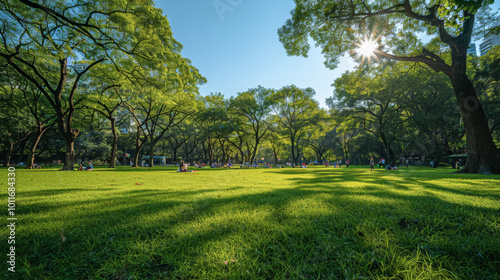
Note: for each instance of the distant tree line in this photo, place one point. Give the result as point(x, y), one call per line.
point(105, 81)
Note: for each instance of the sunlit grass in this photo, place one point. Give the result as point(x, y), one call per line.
point(315, 223)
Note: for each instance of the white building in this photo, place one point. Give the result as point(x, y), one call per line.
point(488, 43)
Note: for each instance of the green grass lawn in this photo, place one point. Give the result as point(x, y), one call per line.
point(314, 223)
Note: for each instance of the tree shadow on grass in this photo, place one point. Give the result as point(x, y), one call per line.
point(319, 226)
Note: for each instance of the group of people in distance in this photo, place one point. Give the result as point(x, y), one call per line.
point(337, 163)
point(87, 167)
point(183, 166)
point(381, 163)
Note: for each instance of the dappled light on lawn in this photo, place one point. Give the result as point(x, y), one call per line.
point(261, 223)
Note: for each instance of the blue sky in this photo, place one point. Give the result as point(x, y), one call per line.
point(235, 45)
point(238, 48)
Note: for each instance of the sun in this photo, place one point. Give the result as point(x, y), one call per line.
point(367, 47)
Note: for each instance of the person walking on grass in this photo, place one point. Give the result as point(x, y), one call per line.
point(347, 163)
point(372, 163)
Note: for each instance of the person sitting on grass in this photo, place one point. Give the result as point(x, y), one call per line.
point(80, 167)
point(89, 167)
point(184, 167)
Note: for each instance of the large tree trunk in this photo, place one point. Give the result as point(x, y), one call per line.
point(482, 154)
point(114, 147)
point(69, 161)
point(69, 138)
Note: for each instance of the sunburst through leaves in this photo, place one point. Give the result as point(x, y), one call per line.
point(367, 48)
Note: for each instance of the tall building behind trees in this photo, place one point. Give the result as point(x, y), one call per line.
point(488, 43)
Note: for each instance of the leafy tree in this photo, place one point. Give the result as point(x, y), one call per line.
point(14, 129)
point(182, 137)
point(254, 106)
point(275, 141)
point(214, 123)
point(89, 31)
point(16, 122)
point(433, 118)
point(343, 133)
point(107, 90)
point(321, 143)
point(94, 141)
point(372, 99)
point(43, 118)
point(19, 94)
point(391, 26)
point(296, 110)
point(140, 134)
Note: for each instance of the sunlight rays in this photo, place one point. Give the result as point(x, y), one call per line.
point(366, 48)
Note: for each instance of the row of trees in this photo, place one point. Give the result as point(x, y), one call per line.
point(132, 91)
point(122, 48)
point(370, 114)
point(339, 27)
